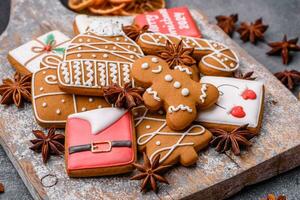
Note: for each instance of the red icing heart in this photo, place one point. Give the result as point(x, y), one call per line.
point(249, 94)
point(238, 111)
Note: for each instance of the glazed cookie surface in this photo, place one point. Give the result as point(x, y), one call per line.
point(26, 58)
point(92, 62)
point(214, 58)
point(155, 137)
point(240, 102)
point(172, 90)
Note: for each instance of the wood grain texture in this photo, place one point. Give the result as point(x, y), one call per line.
point(215, 176)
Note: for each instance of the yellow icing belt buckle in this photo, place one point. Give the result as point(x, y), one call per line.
point(97, 147)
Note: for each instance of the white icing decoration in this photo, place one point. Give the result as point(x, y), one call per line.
point(99, 106)
point(77, 71)
point(157, 70)
point(83, 109)
point(80, 40)
point(153, 93)
point(100, 119)
point(44, 104)
point(177, 84)
point(168, 78)
point(199, 44)
point(230, 89)
point(114, 72)
point(126, 73)
point(203, 93)
point(183, 69)
point(182, 107)
point(185, 92)
point(41, 89)
point(90, 73)
point(105, 55)
point(79, 55)
point(65, 72)
point(51, 79)
point(101, 69)
point(58, 111)
point(154, 60)
point(63, 101)
point(94, 56)
point(145, 66)
point(148, 126)
point(145, 138)
point(91, 100)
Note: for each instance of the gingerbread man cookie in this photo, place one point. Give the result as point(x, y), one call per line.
point(155, 137)
point(215, 58)
point(173, 90)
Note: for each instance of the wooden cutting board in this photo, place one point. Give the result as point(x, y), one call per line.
point(215, 176)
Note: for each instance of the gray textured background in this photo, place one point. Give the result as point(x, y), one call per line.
point(283, 16)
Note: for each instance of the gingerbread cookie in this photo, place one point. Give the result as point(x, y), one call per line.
point(26, 58)
point(92, 62)
point(174, 90)
point(100, 142)
point(51, 105)
point(240, 102)
point(215, 58)
point(155, 137)
point(102, 25)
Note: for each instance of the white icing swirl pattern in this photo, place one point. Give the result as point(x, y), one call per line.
point(183, 69)
point(182, 107)
point(203, 93)
point(153, 93)
point(90, 73)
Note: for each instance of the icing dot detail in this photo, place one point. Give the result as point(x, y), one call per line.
point(118, 39)
point(106, 47)
point(114, 48)
point(99, 106)
point(58, 111)
point(177, 84)
point(41, 89)
point(83, 109)
point(168, 78)
point(157, 143)
point(131, 56)
point(185, 92)
point(79, 48)
point(91, 99)
point(44, 105)
point(94, 56)
point(154, 60)
point(63, 101)
point(145, 66)
point(44, 72)
point(88, 40)
point(148, 126)
point(105, 55)
point(80, 40)
point(79, 55)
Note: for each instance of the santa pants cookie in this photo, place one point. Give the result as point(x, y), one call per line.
point(100, 142)
point(26, 58)
point(240, 102)
point(215, 58)
point(155, 137)
point(92, 62)
point(51, 105)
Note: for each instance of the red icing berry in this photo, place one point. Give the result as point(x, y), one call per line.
point(238, 111)
point(47, 48)
point(249, 94)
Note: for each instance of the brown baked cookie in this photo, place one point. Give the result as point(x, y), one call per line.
point(92, 62)
point(173, 90)
point(155, 137)
point(215, 58)
point(51, 105)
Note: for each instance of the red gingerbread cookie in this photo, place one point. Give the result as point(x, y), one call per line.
point(173, 90)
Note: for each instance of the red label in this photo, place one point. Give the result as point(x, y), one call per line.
point(176, 21)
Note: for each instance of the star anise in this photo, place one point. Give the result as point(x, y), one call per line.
point(134, 31)
point(50, 144)
point(289, 78)
point(16, 90)
point(1, 188)
point(227, 23)
point(150, 173)
point(283, 48)
point(253, 31)
point(247, 76)
point(273, 197)
point(224, 140)
point(177, 54)
point(123, 97)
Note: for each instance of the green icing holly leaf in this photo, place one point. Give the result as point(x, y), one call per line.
point(49, 39)
point(59, 50)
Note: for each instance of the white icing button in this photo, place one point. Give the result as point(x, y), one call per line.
point(145, 66)
point(44, 105)
point(160, 112)
point(58, 111)
point(91, 99)
point(105, 55)
point(148, 127)
point(185, 92)
point(41, 88)
point(78, 55)
point(157, 143)
point(118, 39)
point(168, 78)
point(63, 101)
point(94, 56)
point(177, 84)
point(225, 59)
point(154, 59)
point(83, 109)
point(99, 106)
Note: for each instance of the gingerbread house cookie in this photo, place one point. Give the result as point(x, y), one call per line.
point(92, 62)
point(26, 58)
point(155, 137)
point(100, 142)
point(240, 102)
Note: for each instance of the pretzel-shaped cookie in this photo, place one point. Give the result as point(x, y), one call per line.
point(173, 90)
point(215, 58)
